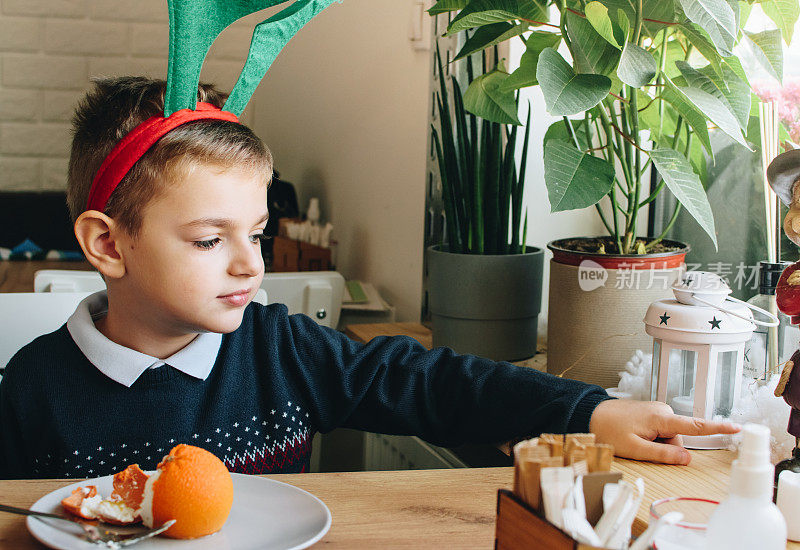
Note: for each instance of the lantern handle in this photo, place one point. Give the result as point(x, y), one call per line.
point(774, 318)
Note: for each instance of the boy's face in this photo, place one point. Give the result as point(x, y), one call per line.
point(196, 262)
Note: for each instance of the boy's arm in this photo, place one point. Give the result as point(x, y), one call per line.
point(394, 385)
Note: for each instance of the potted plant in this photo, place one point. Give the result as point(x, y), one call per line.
point(484, 283)
point(646, 81)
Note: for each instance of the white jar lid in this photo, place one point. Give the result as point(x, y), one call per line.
point(672, 315)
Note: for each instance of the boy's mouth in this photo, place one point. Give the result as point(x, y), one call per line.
point(237, 298)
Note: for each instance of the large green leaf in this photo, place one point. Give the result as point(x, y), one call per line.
point(591, 52)
point(597, 15)
point(490, 35)
point(574, 179)
point(701, 41)
point(716, 112)
point(784, 13)
point(565, 92)
point(485, 98)
point(624, 25)
point(485, 12)
point(675, 52)
point(734, 4)
point(731, 90)
point(560, 132)
point(636, 66)
point(769, 51)
point(691, 114)
point(744, 13)
point(696, 158)
point(739, 93)
point(735, 65)
point(444, 6)
point(686, 186)
point(717, 18)
point(525, 75)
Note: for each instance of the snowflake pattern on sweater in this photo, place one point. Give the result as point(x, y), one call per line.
point(255, 445)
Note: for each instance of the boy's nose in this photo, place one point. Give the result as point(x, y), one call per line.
point(247, 261)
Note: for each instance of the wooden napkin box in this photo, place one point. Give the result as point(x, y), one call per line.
point(520, 527)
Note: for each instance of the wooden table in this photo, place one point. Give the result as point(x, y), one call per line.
point(17, 275)
point(419, 508)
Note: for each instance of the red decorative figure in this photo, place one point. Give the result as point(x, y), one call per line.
point(783, 175)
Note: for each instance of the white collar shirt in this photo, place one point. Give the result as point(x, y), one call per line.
point(126, 365)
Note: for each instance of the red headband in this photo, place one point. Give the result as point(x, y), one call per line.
point(131, 148)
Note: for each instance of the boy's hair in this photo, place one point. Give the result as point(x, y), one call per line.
point(115, 107)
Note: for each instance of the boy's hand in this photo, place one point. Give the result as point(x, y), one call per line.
point(649, 430)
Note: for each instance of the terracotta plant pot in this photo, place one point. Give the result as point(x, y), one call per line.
point(486, 305)
point(596, 306)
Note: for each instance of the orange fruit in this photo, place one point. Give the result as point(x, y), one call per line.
point(191, 486)
point(121, 508)
point(128, 489)
point(73, 502)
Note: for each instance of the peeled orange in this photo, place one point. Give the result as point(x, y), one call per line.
point(74, 503)
point(191, 486)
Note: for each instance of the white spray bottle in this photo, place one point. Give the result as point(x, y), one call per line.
point(748, 519)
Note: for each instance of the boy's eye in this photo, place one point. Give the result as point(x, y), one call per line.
point(259, 237)
point(207, 245)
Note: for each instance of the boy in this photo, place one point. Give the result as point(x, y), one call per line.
point(175, 352)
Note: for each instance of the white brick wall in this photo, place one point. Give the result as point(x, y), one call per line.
point(49, 49)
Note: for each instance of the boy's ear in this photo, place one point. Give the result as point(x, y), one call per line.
point(99, 236)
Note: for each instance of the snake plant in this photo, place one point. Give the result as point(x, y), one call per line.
point(481, 186)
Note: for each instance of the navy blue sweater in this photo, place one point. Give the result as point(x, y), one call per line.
point(277, 380)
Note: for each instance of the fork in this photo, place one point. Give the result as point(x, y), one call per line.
point(93, 533)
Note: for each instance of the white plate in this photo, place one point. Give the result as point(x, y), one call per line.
point(266, 514)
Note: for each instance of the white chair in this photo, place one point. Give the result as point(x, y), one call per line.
point(318, 294)
point(27, 315)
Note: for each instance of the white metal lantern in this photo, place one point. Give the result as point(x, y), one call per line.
point(698, 350)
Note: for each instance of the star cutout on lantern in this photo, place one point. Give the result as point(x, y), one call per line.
point(664, 318)
point(715, 323)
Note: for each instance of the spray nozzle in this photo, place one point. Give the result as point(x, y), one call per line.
point(755, 445)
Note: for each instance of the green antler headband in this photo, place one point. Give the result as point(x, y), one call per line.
point(193, 27)
point(195, 24)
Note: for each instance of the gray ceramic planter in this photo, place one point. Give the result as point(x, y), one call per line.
point(486, 305)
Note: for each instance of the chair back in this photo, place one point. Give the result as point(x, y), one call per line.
point(25, 316)
point(318, 294)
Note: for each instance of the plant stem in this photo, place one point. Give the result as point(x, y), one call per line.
point(603, 217)
point(562, 7)
point(587, 130)
point(571, 132)
point(651, 244)
point(630, 229)
point(613, 141)
point(616, 151)
point(653, 195)
point(659, 79)
point(634, 114)
point(614, 207)
point(637, 30)
point(677, 131)
point(542, 23)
